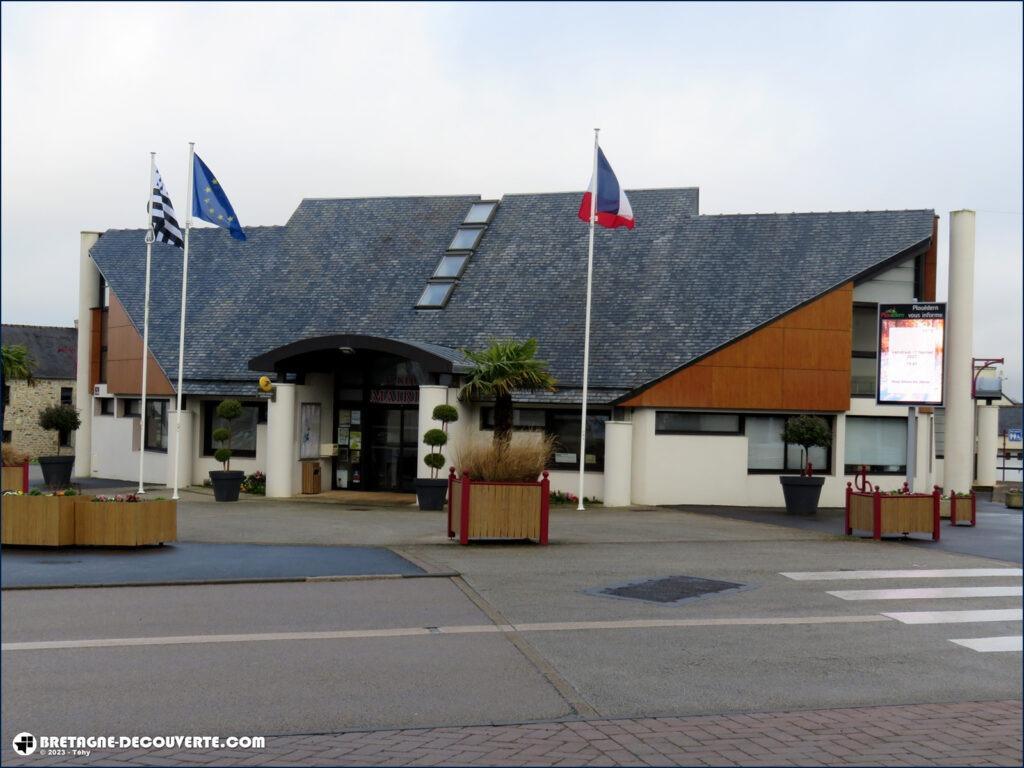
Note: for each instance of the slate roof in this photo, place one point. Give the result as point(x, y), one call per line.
point(54, 349)
point(672, 290)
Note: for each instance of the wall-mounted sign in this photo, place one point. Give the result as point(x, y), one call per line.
point(395, 396)
point(1013, 435)
point(911, 346)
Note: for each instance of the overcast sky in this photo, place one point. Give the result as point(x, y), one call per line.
point(764, 107)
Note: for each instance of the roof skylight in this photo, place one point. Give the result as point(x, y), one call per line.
point(435, 295)
point(466, 239)
point(481, 212)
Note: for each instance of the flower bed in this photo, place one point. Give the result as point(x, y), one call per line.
point(38, 520)
point(497, 510)
point(125, 521)
point(898, 512)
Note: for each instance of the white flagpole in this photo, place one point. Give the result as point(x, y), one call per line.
point(181, 332)
point(145, 316)
point(586, 327)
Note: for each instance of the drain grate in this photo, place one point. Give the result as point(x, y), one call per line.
point(671, 589)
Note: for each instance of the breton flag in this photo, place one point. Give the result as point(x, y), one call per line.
point(613, 208)
point(210, 202)
point(162, 219)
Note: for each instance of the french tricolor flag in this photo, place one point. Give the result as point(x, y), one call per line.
point(613, 208)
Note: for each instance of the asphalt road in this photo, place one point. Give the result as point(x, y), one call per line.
point(523, 638)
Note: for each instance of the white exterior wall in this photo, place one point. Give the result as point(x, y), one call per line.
point(988, 444)
point(113, 456)
point(88, 293)
point(319, 388)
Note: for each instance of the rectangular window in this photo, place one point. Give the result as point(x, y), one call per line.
point(451, 266)
point(522, 418)
point(877, 442)
point(864, 365)
point(65, 395)
point(767, 453)
point(243, 429)
point(131, 407)
point(466, 239)
point(7, 435)
point(106, 406)
point(480, 213)
point(435, 295)
point(156, 425)
point(564, 426)
point(678, 423)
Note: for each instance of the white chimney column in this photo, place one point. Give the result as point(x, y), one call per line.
point(88, 297)
point(958, 471)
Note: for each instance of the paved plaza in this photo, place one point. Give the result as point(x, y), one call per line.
point(829, 651)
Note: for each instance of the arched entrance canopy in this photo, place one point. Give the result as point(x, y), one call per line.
point(432, 357)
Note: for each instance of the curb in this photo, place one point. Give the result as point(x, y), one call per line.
point(269, 580)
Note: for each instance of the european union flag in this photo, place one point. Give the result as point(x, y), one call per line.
point(210, 203)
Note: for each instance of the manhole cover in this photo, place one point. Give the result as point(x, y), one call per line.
point(671, 589)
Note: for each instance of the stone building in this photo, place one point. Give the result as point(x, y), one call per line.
point(54, 351)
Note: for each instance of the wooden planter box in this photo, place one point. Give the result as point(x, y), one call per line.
point(485, 510)
point(39, 521)
point(959, 510)
point(898, 514)
point(125, 524)
point(15, 478)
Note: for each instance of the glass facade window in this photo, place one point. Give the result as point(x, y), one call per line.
point(435, 295)
point(678, 423)
point(877, 442)
point(243, 429)
point(156, 425)
point(480, 213)
point(863, 371)
point(522, 418)
point(466, 239)
point(131, 407)
point(107, 406)
point(767, 452)
point(865, 329)
point(451, 266)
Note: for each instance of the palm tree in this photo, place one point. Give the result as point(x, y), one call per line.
point(17, 364)
point(500, 370)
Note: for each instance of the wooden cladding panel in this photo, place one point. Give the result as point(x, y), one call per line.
point(930, 266)
point(95, 346)
point(124, 352)
point(799, 362)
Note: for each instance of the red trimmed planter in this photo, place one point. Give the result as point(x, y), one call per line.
point(479, 509)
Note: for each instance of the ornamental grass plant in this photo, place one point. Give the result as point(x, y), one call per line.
point(520, 461)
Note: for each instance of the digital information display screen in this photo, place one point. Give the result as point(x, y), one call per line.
point(911, 346)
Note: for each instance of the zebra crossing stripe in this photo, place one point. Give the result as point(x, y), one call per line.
point(917, 573)
point(993, 644)
point(926, 593)
point(957, 617)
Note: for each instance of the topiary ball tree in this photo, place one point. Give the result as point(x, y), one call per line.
point(228, 410)
point(59, 419)
point(436, 438)
point(807, 432)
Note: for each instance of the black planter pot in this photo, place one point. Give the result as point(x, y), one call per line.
point(802, 493)
point(226, 485)
point(431, 494)
point(57, 471)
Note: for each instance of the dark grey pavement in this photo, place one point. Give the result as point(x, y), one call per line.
point(997, 535)
point(192, 562)
point(91, 484)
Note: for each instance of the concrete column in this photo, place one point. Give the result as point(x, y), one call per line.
point(642, 437)
point(959, 463)
point(922, 474)
point(281, 443)
point(431, 395)
point(88, 295)
point(618, 463)
point(187, 446)
point(988, 444)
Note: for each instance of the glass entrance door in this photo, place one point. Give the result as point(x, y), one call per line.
point(392, 439)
